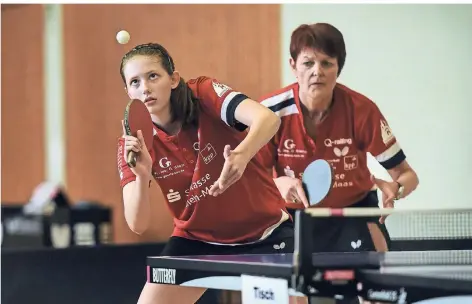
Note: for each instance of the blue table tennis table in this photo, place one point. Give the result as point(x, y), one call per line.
point(392, 277)
point(395, 277)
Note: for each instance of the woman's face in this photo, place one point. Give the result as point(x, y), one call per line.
point(147, 80)
point(316, 73)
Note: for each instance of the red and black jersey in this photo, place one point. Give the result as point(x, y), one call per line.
point(353, 127)
point(187, 164)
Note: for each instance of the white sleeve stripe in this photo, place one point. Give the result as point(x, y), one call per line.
point(287, 111)
point(274, 100)
point(224, 106)
point(389, 153)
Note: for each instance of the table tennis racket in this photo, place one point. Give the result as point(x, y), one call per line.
point(317, 181)
point(137, 117)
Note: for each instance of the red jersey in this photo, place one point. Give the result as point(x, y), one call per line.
point(187, 164)
point(353, 127)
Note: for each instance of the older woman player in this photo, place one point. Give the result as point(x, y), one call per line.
point(323, 119)
point(204, 166)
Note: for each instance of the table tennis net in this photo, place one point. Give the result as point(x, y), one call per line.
point(442, 264)
point(431, 225)
point(453, 276)
point(428, 258)
point(442, 274)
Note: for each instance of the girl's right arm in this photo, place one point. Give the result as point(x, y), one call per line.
point(136, 182)
point(137, 208)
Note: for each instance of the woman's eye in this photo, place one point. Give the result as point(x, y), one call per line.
point(326, 63)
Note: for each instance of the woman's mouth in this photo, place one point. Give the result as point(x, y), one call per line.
point(150, 100)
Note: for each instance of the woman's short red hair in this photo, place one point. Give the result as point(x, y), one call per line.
point(319, 36)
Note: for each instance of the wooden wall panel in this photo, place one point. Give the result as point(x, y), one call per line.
point(23, 149)
point(238, 44)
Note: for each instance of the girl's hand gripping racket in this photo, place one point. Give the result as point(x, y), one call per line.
point(317, 181)
point(137, 117)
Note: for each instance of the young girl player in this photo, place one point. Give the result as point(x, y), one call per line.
point(222, 199)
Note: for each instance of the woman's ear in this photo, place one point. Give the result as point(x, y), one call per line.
point(127, 93)
point(175, 79)
point(293, 65)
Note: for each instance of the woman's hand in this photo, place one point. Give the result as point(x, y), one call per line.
point(143, 166)
point(233, 169)
point(389, 192)
point(291, 190)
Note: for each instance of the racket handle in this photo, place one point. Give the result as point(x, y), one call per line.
point(131, 160)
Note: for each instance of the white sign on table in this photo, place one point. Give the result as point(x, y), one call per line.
point(262, 290)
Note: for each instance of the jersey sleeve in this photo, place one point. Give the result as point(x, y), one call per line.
point(218, 99)
point(126, 175)
point(378, 139)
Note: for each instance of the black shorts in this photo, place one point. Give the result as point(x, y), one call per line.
point(280, 241)
point(348, 234)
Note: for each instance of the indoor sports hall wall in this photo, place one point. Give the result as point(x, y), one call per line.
point(85, 86)
point(217, 44)
point(414, 62)
point(22, 95)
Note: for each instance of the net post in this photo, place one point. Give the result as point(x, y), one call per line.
point(303, 251)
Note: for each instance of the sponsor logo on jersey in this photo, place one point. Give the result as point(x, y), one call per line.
point(220, 89)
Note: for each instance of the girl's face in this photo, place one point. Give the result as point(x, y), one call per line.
point(147, 80)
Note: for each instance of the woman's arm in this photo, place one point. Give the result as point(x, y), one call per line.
point(405, 176)
point(136, 190)
point(263, 125)
point(136, 204)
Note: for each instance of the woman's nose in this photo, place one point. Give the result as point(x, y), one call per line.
point(317, 69)
point(145, 88)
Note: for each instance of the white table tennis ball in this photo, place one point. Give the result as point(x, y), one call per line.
point(122, 37)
